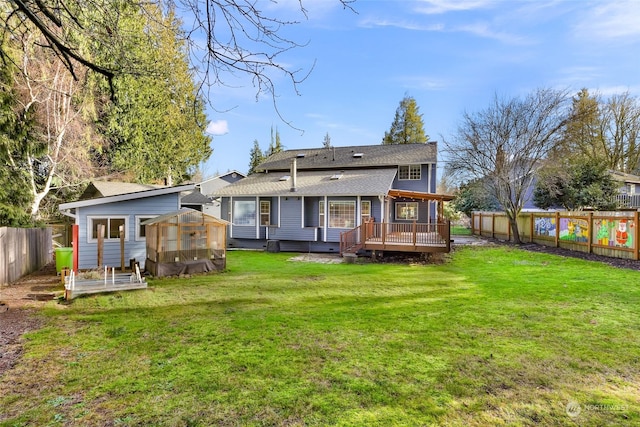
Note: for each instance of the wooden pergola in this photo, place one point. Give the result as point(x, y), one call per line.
point(423, 197)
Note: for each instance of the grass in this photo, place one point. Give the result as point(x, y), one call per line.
point(458, 230)
point(495, 336)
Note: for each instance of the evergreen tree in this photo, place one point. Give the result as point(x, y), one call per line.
point(407, 126)
point(16, 141)
point(584, 184)
point(581, 137)
point(326, 142)
point(256, 157)
point(156, 125)
point(275, 146)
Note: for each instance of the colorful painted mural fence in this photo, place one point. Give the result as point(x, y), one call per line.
point(613, 234)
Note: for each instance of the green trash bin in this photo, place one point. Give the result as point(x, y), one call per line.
point(64, 259)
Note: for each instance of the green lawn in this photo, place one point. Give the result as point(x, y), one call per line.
point(495, 336)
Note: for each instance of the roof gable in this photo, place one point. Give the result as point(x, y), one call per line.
point(113, 188)
point(125, 197)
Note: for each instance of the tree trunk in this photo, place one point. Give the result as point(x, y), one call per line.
point(515, 232)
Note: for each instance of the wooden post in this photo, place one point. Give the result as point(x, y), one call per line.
point(121, 234)
point(413, 233)
point(75, 243)
point(480, 224)
point(493, 225)
point(531, 229)
point(636, 219)
point(100, 231)
point(557, 229)
point(509, 228)
point(589, 232)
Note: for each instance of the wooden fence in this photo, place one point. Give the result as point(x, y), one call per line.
point(612, 234)
point(22, 251)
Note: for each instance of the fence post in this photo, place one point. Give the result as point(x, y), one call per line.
point(493, 225)
point(557, 229)
point(590, 232)
point(531, 229)
point(636, 219)
point(480, 224)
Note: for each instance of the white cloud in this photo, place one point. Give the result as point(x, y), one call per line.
point(433, 7)
point(218, 127)
point(612, 20)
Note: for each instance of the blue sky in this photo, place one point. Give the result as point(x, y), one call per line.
point(451, 56)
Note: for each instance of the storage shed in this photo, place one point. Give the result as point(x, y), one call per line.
point(184, 242)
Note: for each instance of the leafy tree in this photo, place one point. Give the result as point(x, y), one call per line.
point(504, 144)
point(326, 142)
point(256, 157)
point(583, 184)
point(407, 126)
point(156, 125)
point(473, 196)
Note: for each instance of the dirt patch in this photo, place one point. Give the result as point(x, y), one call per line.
point(19, 305)
point(13, 324)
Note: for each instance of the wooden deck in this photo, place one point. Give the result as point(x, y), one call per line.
point(397, 237)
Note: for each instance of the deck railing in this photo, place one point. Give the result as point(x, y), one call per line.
point(407, 235)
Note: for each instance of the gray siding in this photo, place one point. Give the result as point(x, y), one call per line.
point(88, 251)
point(424, 184)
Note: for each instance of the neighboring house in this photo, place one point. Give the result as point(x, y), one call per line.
point(210, 186)
point(629, 190)
point(111, 209)
point(305, 198)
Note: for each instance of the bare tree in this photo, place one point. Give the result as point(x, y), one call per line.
point(620, 130)
point(46, 88)
point(503, 144)
point(226, 37)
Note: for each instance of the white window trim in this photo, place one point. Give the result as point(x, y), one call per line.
point(362, 203)
point(409, 173)
point(138, 220)
point(90, 219)
point(268, 202)
point(328, 212)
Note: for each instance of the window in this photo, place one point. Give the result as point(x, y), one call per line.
point(111, 227)
point(265, 212)
point(244, 213)
point(321, 213)
point(342, 214)
point(409, 172)
point(365, 214)
point(407, 210)
point(140, 229)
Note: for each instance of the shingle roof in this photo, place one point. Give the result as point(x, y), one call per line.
point(195, 198)
point(373, 182)
point(366, 156)
point(113, 188)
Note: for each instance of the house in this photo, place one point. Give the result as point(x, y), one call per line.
point(628, 196)
point(209, 186)
point(307, 199)
point(112, 208)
